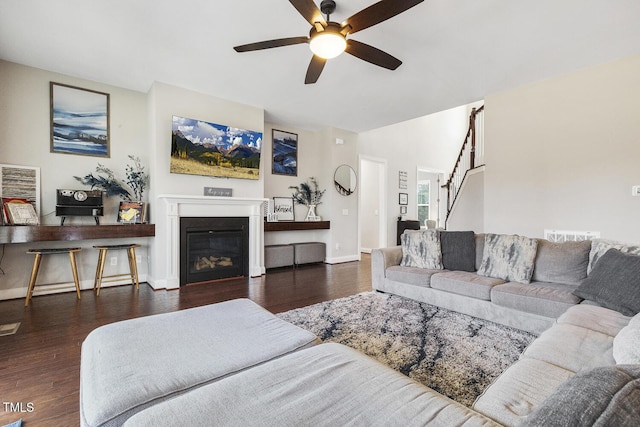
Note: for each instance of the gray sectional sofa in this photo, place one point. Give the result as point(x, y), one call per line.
point(248, 368)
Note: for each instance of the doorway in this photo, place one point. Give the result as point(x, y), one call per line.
point(373, 204)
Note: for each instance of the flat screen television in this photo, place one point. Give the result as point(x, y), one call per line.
point(209, 149)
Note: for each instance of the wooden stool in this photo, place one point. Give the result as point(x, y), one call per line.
point(36, 266)
point(102, 257)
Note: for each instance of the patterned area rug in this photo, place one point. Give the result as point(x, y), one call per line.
point(452, 353)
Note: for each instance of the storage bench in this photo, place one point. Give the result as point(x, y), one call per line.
point(308, 252)
point(278, 256)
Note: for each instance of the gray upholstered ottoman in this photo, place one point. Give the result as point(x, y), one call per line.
point(327, 385)
point(278, 256)
point(131, 365)
point(309, 252)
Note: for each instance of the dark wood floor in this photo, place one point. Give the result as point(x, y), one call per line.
point(40, 364)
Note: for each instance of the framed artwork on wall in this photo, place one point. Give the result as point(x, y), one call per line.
point(402, 180)
point(285, 153)
point(132, 212)
point(79, 121)
point(210, 149)
point(403, 198)
point(283, 208)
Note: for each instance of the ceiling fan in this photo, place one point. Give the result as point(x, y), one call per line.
point(328, 39)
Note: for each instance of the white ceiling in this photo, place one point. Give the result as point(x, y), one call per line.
point(453, 51)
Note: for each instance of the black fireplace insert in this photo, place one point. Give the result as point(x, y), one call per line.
point(213, 248)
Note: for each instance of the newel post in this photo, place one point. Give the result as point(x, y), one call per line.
point(472, 127)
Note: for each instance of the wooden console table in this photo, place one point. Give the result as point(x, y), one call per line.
point(47, 233)
point(296, 225)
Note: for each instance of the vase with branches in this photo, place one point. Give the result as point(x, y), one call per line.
point(105, 179)
point(310, 195)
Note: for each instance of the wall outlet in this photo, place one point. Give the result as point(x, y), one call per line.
point(635, 190)
point(345, 212)
point(337, 246)
point(114, 260)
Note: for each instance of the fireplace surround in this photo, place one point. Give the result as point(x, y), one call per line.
point(165, 247)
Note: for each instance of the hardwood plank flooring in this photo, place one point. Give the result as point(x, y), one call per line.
point(40, 364)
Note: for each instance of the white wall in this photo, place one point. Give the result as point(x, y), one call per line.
point(25, 140)
point(468, 212)
point(431, 142)
point(371, 183)
point(563, 154)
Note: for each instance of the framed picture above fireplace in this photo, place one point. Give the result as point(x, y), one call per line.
point(204, 148)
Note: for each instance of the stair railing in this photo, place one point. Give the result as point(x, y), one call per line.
point(471, 156)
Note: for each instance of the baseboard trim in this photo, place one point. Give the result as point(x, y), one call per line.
point(339, 260)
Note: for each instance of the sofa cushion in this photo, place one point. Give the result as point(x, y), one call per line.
point(604, 396)
point(572, 348)
point(599, 319)
point(329, 385)
point(458, 250)
point(564, 262)
point(421, 248)
point(545, 299)
point(614, 282)
point(626, 345)
point(519, 389)
point(465, 283)
point(411, 275)
point(508, 257)
point(600, 246)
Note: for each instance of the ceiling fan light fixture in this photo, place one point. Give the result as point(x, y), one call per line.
point(328, 44)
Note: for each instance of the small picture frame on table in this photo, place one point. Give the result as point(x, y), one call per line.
point(403, 199)
point(132, 212)
point(283, 208)
point(20, 212)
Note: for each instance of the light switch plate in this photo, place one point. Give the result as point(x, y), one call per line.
point(635, 190)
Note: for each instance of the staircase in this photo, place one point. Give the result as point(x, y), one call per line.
point(471, 157)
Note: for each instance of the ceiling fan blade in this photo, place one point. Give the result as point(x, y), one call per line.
point(268, 44)
point(378, 12)
point(314, 70)
point(309, 11)
point(372, 55)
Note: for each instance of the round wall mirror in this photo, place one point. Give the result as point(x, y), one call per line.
point(345, 180)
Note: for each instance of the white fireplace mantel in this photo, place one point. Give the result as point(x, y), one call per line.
point(165, 261)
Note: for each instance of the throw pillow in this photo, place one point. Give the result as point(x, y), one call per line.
point(421, 248)
point(564, 262)
point(614, 282)
point(458, 250)
point(604, 396)
point(626, 344)
point(600, 246)
point(508, 257)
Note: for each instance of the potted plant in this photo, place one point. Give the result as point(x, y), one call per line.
point(310, 196)
point(105, 180)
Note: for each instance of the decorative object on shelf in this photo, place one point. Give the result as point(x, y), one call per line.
point(79, 121)
point(310, 196)
point(132, 212)
point(218, 192)
point(283, 209)
point(345, 180)
point(20, 212)
point(285, 153)
point(136, 178)
point(403, 199)
point(79, 203)
point(19, 182)
point(209, 149)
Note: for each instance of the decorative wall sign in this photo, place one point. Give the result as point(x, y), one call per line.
point(403, 198)
point(402, 180)
point(283, 208)
point(209, 149)
point(79, 121)
point(285, 153)
point(218, 192)
point(132, 212)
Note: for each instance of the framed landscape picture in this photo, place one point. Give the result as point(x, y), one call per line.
point(209, 149)
point(79, 121)
point(285, 153)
